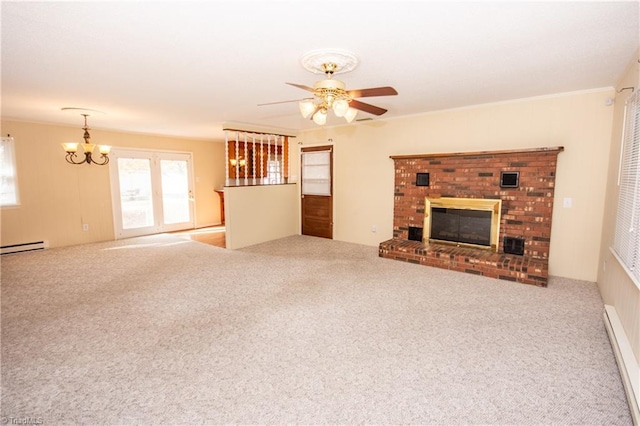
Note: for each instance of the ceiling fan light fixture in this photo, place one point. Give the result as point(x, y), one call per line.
point(331, 94)
point(306, 108)
point(340, 107)
point(320, 117)
point(350, 115)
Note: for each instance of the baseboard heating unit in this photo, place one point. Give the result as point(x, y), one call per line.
point(18, 248)
point(625, 359)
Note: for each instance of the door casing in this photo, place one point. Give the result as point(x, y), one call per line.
point(156, 180)
point(317, 210)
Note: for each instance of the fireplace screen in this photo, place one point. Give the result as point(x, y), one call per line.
point(471, 221)
point(461, 226)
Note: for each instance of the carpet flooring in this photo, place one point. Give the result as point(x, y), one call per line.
point(165, 330)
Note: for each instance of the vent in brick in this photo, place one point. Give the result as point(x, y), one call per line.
point(415, 233)
point(513, 245)
point(422, 179)
point(509, 179)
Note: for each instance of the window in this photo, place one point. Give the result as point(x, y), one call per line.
point(273, 171)
point(316, 172)
point(627, 237)
point(8, 176)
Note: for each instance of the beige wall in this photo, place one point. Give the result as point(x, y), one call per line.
point(581, 122)
point(616, 287)
point(56, 198)
point(256, 214)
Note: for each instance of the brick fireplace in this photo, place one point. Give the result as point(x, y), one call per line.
point(521, 182)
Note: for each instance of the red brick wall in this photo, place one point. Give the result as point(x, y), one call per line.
point(526, 210)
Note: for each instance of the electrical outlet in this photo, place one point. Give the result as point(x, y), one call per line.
point(374, 228)
point(567, 203)
point(85, 226)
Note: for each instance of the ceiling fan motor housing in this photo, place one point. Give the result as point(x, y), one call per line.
point(330, 84)
point(330, 90)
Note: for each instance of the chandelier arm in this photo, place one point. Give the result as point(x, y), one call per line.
point(70, 156)
point(105, 160)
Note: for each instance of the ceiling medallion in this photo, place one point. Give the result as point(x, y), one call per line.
point(315, 60)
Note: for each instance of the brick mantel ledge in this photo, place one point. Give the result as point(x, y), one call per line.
point(478, 153)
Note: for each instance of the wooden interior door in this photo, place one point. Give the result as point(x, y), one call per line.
point(317, 191)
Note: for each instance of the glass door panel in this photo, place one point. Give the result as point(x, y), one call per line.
point(316, 173)
point(176, 204)
point(136, 198)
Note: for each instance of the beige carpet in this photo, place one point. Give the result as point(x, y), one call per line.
point(163, 330)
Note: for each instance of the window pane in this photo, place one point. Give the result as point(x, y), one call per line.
point(135, 192)
point(273, 172)
point(8, 176)
point(316, 173)
point(627, 234)
point(175, 191)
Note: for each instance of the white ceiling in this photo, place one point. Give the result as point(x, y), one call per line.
point(184, 68)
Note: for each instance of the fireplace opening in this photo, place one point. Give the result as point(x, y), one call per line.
point(470, 221)
point(461, 226)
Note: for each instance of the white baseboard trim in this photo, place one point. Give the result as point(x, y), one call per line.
point(625, 359)
point(18, 248)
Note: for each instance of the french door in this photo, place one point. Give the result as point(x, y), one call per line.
point(152, 192)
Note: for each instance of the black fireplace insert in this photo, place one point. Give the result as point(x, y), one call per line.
point(461, 226)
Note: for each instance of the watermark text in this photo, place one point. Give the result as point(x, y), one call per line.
point(9, 420)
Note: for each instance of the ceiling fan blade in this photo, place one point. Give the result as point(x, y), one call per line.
point(373, 91)
point(284, 102)
point(301, 86)
point(371, 109)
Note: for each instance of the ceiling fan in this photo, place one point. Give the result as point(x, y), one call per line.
point(330, 93)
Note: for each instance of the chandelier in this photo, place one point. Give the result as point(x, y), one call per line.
point(329, 94)
point(72, 147)
point(240, 163)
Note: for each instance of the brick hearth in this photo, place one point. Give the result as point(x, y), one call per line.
point(526, 210)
